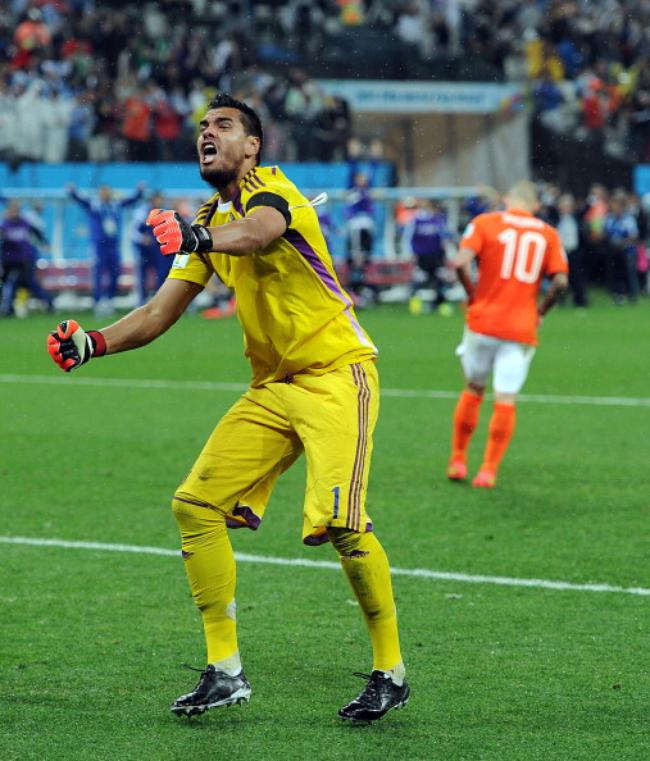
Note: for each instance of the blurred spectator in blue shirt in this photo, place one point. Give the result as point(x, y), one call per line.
point(327, 226)
point(622, 236)
point(360, 227)
point(548, 95)
point(17, 258)
point(568, 228)
point(428, 237)
point(105, 218)
point(151, 267)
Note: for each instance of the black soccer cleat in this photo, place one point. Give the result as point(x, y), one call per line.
point(215, 688)
point(379, 697)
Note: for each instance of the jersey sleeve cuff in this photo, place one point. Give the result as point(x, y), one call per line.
point(99, 343)
point(189, 277)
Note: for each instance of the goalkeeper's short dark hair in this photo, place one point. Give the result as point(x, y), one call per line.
point(250, 120)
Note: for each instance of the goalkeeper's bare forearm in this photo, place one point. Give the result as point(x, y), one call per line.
point(71, 347)
point(145, 324)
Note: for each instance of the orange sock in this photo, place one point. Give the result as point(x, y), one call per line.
point(465, 421)
point(502, 426)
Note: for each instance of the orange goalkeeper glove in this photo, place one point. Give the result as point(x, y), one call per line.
point(70, 346)
point(174, 234)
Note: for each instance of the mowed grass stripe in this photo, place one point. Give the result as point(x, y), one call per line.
point(399, 393)
point(419, 573)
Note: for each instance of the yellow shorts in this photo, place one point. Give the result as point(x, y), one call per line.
point(330, 417)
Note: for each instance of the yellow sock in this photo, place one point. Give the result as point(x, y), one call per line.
point(210, 567)
point(366, 566)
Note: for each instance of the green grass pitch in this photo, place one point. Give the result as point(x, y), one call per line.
point(92, 642)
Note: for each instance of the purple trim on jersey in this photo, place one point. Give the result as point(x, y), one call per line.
point(308, 253)
point(357, 329)
point(257, 179)
point(251, 520)
point(196, 502)
point(213, 207)
point(252, 181)
point(316, 541)
point(201, 214)
point(301, 245)
point(356, 481)
point(274, 170)
point(236, 202)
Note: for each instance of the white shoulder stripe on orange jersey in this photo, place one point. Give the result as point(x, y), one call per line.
point(522, 221)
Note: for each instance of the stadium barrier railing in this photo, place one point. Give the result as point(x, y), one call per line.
point(66, 263)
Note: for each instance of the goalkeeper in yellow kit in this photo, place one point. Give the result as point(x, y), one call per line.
point(314, 390)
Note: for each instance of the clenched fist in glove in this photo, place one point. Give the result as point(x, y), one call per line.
point(70, 346)
point(174, 234)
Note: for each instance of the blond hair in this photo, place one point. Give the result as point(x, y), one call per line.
point(523, 193)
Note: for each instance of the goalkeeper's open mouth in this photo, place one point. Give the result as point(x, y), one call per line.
point(208, 152)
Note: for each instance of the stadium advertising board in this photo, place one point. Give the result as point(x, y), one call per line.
point(368, 96)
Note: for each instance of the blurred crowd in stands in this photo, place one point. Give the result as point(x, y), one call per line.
point(76, 83)
point(606, 237)
point(82, 80)
point(588, 65)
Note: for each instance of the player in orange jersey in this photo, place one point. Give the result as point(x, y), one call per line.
point(514, 251)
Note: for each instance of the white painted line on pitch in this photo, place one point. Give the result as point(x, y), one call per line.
point(420, 573)
point(137, 383)
point(399, 393)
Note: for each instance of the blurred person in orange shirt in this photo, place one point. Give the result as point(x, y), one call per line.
point(32, 33)
point(136, 126)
